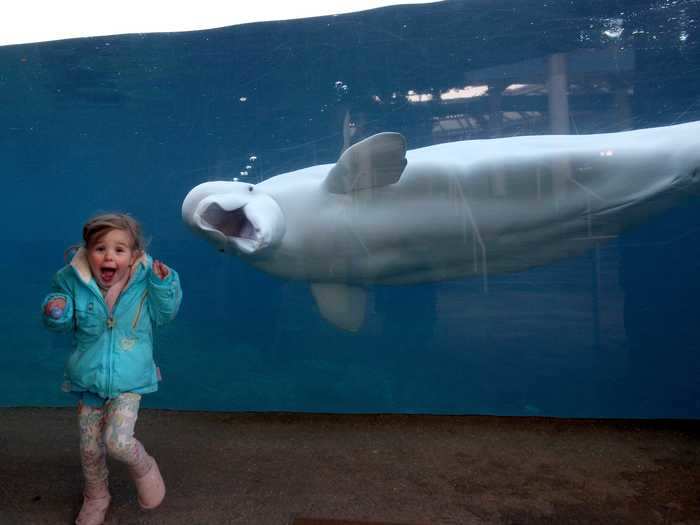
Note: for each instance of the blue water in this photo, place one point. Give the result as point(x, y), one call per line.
point(133, 122)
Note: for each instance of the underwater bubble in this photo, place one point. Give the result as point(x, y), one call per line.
point(253, 158)
point(243, 99)
point(249, 167)
point(613, 33)
point(614, 28)
point(244, 174)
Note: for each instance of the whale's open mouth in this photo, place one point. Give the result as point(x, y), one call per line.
point(239, 228)
point(233, 223)
point(234, 217)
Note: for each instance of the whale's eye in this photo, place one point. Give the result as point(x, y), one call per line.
point(250, 188)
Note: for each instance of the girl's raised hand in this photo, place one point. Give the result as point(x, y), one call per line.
point(160, 269)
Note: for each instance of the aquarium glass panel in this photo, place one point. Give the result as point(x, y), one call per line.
point(537, 254)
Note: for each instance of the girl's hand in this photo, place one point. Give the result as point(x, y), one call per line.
point(160, 269)
point(58, 304)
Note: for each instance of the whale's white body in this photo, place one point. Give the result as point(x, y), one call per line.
point(446, 211)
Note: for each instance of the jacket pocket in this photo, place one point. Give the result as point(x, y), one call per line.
point(134, 369)
point(88, 322)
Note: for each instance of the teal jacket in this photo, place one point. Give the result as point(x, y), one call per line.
point(112, 354)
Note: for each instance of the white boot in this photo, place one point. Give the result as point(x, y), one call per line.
point(95, 504)
point(150, 486)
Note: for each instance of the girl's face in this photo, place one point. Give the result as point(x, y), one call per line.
point(111, 257)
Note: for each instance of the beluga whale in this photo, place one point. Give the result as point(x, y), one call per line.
point(385, 215)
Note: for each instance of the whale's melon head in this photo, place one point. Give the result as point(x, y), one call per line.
point(234, 217)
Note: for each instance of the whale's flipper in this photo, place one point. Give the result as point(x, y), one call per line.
point(375, 161)
point(342, 305)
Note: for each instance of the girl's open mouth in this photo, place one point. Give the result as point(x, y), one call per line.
point(107, 274)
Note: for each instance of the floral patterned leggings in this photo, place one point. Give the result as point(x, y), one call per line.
point(110, 430)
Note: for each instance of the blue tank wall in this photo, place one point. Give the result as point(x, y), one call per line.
point(133, 122)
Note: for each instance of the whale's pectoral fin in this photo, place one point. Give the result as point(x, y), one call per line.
point(376, 161)
point(342, 305)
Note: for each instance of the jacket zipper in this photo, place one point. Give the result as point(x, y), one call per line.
point(111, 323)
point(138, 312)
point(110, 326)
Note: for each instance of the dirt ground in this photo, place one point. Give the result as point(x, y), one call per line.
point(268, 469)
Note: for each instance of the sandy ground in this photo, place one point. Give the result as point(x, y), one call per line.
point(267, 469)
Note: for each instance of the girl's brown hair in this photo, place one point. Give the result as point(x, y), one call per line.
point(99, 225)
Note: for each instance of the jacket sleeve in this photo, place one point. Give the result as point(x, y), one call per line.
point(64, 323)
point(164, 296)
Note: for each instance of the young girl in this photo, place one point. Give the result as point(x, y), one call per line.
point(110, 297)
